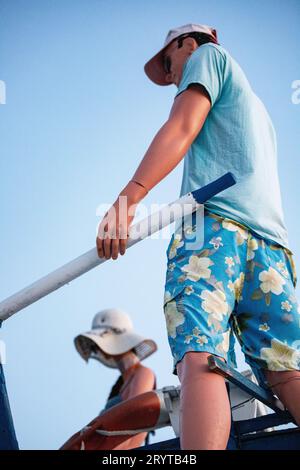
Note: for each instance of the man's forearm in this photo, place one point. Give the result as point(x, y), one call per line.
point(164, 153)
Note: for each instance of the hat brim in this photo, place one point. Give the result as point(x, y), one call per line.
point(113, 345)
point(154, 68)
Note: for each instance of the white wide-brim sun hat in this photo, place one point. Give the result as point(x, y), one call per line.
point(112, 333)
point(154, 68)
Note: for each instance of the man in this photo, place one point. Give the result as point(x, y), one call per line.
point(243, 278)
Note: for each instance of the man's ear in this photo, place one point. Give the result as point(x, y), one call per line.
point(191, 44)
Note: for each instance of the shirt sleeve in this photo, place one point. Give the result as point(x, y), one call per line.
point(204, 67)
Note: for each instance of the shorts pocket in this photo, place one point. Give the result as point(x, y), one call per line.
point(174, 247)
point(291, 265)
point(172, 291)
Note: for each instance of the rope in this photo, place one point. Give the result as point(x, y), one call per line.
point(284, 381)
point(128, 432)
point(131, 432)
point(239, 405)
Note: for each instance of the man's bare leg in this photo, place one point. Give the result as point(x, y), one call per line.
point(287, 390)
point(205, 415)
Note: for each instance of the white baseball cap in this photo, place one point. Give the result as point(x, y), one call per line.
point(154, 68)
point(112, 333)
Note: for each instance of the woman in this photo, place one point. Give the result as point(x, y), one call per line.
point(113, 342)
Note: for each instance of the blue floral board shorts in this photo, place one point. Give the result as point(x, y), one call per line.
point(235, 285)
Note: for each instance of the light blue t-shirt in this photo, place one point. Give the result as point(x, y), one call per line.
point(237, 136)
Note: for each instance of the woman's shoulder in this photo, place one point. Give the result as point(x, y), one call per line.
point(146, 371)
point(139, 370)
point(140, 381)
point(146, 375)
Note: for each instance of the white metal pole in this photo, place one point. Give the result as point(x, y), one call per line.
point(89, 260)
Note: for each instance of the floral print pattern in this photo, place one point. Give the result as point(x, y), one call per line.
point(280, 356)
point(272, 281)
point(174, 318)
point(197, 268)
point(236, 286)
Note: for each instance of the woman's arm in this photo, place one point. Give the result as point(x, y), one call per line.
point(142, 381)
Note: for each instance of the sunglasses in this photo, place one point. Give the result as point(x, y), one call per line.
point(167, 64)
point(167, 60)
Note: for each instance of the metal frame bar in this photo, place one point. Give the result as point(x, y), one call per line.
point(8, 440)
point(267, 398)
point(184, 206)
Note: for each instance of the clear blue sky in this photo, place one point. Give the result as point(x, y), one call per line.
point(78, 118)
